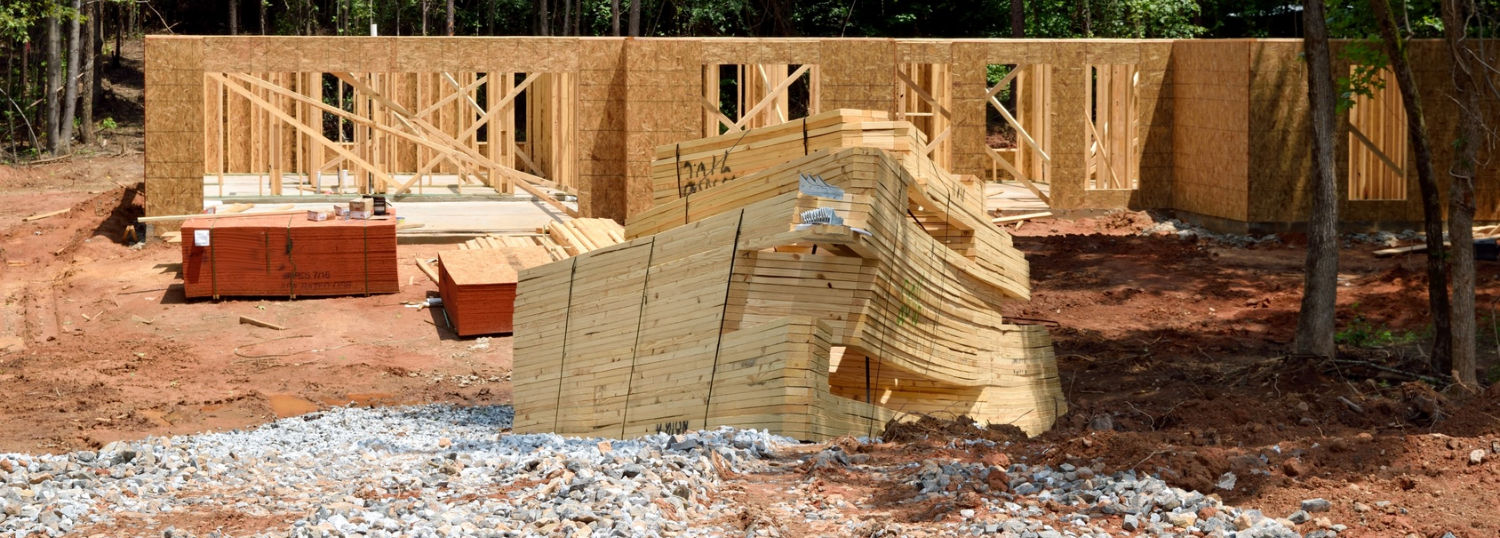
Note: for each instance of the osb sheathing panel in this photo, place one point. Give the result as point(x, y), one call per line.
point(175, 97)
point(1210, 96)
point(924, 51)
point(663, 86)
point(761, 51)
point(601, 152)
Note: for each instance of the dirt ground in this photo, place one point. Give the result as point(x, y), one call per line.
point(1172, 354)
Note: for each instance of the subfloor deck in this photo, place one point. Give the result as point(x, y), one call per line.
point(243, 186)
point(452, 221)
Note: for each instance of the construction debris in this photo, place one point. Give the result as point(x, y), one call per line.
point(247, 320)
point(1019, 218)
point(40, 216)
point(734, 309)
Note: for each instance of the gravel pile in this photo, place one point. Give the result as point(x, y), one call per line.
point(440, 470)
point(412, 471)
point(1044, 502)
point(1183, 230)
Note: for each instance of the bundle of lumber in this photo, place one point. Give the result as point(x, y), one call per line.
point(697, 165)
point(726, 308)
point(287, 255)
point(577, 236)
point(493, 241)
point(478, 286)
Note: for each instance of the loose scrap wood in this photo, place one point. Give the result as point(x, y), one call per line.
point(247, 320)
point(1021, 217)
point(40, 216)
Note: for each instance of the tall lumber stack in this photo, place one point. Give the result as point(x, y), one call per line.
point(724, 308)
point(288, 255)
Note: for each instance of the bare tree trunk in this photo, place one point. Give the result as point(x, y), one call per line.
point(1088, 22)
point(54, 85)
point(1432, 198)
point(450, 18)
point(635, 18)
point(1469, 135)
point(234, 17)
point(567, 17)
point(98, 17)
point(119, 34)
point(262, 4)
point(424, 17)
point(86, 114)
point(70, 86)
point(544, 18)
point(1017, 18)
point(578, 19)
point(614, 18)
point(1315, 323)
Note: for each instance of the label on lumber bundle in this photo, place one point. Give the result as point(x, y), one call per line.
point(200, 238)
point(815, 186)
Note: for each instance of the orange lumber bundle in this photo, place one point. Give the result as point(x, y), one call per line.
point(288, 255)
point(479, 286)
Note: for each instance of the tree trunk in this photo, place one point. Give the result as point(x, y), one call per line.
point(1017, 18)
point(450, 18)
point(1088, 22)
point(70, 99)
point(567, 17)
point(1469, 135)
point(262, 4)
point(614, 18)
point(54, 85)
point(1432, 198)
point(234, 17)
point(1315, 324)
point(578, 19)
point(424, 17)
point(86, 106)
point(544, 18)
point(98, 16)
point(119, 34)
point(635, 18)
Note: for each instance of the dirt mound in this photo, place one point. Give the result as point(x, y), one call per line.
point(929, 427)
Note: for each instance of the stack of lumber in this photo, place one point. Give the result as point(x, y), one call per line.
point(478, 286)
point(493, 241)
point(724, 308)
point(697, 165)
point(287, 255)
point(565, 238)
point(577, 236)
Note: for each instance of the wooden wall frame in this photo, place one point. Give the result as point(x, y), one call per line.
point(1219, 124)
